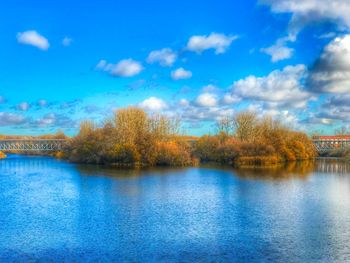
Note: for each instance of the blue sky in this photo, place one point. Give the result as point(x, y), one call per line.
point(65, 61)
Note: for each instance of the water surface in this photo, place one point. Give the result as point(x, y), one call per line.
point(51, 210)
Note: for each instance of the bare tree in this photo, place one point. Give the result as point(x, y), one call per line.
point(225, 125)
point(245, 124)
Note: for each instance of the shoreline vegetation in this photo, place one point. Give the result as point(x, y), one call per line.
point(132, 138)
point(2, 155)
point(341, 153)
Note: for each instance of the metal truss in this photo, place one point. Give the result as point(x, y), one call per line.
point(31, 144)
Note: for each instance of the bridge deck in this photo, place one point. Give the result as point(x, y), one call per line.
point(328, 143)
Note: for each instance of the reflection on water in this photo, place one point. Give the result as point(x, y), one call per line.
point(56, 211)
point(280, 172)
point(332, 165)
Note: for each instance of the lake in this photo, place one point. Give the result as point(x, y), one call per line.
point(51, 210)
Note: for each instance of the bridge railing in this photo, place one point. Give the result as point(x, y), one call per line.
point(328, 144)
point(31, 144)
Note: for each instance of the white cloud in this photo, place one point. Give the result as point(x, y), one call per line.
point(280, 87)
point(230, 98)
point(335, 108)
point(153, 104)
point(101, 65)
point(24, 106)
point(124, 68)
point(310, 11)
point(127, 68)
point(66, 41)
point(331, 72)
point(207, 100)
point(279, 51)
point(184, 102)
point(33, 38)
point(210, 88)
point(219, 42)
point(54, 120)
point(181, 73)
point(47, 120)
point(8, 119)
point(165, 57)
point(194, 114)
point(328, 35)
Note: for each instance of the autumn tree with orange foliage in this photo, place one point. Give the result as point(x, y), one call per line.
point(246, 139)
point(131, 138)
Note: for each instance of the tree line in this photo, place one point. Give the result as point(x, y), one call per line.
point(134, 138)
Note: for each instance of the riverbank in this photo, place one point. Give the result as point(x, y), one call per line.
point(343, 153)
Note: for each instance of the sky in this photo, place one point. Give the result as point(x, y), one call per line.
point(65, 61)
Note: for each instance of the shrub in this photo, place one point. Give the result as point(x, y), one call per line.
point(130, 138)
point(205, 148)
point(2, 155)
point(173, 154)
point(257, 160)
point(125, 154)
point(59, 155)
point(256, 149)
point(227, 151)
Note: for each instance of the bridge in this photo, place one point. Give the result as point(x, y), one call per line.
point(31, 144)
point(328, 143)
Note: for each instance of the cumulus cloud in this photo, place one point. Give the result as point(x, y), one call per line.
point(194, 114)
point(282, 87)
point(181, 73)
point(184, 102)
point(127, 68)
point(230, 98)
point(331, 72)
point(207, 100)
point(311, 11)
point(219, 42)
point(279, 51)
point(211, 104)
point(23, 106)
point(53, 120)
point(8, 119)
point(66, 41)
point(124, 68)
point(210, 88)
point(153, 104)
point(165, 57)
point(33, 38)
point(287, 116)
point(335, 108)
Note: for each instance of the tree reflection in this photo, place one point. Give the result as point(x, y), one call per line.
point(117, 172)
point(284, 171)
